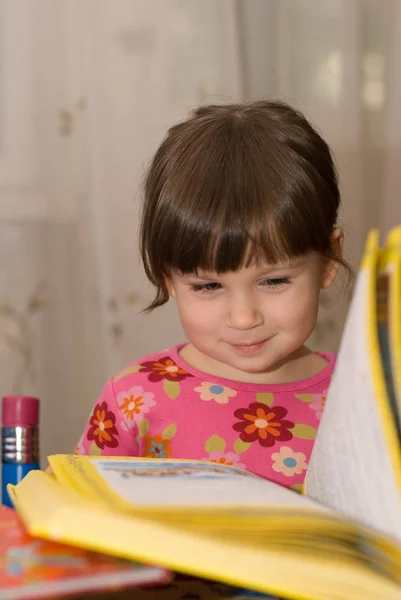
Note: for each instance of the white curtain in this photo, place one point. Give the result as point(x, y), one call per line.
point(87, 90)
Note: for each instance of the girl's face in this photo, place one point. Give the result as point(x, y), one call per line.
point(246, 325)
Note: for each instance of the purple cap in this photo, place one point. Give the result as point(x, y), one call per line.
point(20, 410)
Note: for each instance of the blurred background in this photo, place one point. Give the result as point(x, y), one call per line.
point(87, 91)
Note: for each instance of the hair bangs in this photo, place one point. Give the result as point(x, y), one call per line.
point(223, 243)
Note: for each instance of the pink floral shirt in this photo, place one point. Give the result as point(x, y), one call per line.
point(161, 407)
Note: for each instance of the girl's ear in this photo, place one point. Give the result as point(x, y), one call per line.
point(331, 267)
point(170, 286)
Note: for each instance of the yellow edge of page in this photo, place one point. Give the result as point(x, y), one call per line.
point(393, 241)
point(370, 262)
point(78, 472)
point(49, 512)
point(395, 329)
point(67, 476)
point(371, 247)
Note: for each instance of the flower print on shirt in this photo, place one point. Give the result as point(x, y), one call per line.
point(215, 446)
point(157, 447)
point(318, 404)
point(134, 404)
point(102, 427)
point(288, 462)
point(214, 391)
point(264, 424)
point(164, 368)
point(225, 458)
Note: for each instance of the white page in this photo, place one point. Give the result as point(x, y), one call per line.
point(350, 468)
point(193, 484)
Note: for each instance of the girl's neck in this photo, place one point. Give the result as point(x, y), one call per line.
point(302, 364)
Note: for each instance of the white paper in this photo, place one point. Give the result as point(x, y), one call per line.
point(193, 484)
point(350, 469)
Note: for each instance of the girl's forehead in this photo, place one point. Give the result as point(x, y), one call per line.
point(258, 267)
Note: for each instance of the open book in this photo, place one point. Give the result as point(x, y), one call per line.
point(340, 541)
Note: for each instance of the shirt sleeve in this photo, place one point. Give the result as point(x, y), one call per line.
point(107, 432)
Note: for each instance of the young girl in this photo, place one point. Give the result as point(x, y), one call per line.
point(239, 226)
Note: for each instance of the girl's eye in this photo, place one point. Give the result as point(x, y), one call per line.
point(275, 282)
point(206, 287)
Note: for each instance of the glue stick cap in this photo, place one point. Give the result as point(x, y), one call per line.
point(20, 410)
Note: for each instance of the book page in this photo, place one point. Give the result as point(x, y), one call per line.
point(351, 468)
point(153, 483)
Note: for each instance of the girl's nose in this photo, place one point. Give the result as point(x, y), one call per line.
point(244, 314)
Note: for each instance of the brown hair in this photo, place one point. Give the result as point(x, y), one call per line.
point(234, 184)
